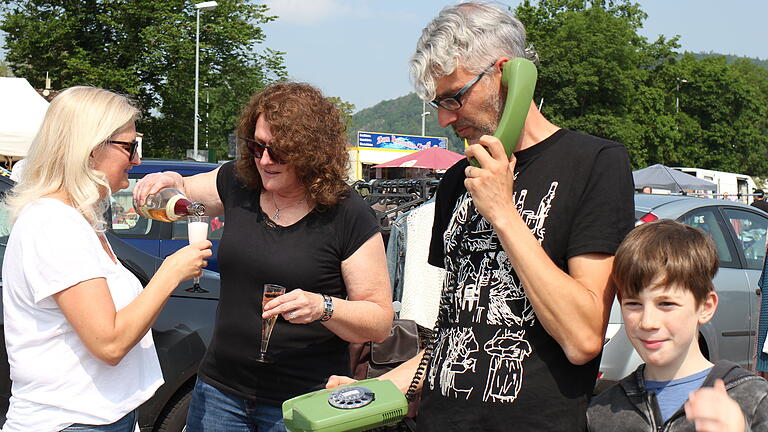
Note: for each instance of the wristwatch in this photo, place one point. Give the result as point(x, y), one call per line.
point(328, 308)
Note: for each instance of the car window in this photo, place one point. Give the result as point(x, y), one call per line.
point(125, 220)
point(750, 229)
point(215, 229)
point(706, 219)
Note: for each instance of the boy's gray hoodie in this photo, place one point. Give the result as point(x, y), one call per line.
point(627, 406)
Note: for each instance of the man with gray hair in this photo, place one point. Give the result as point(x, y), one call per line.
point(527, 243)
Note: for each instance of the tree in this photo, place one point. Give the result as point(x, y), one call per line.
point(600, 77)
point(146, 49)
point(595, 66)
point(346, 109)
point(729, 102)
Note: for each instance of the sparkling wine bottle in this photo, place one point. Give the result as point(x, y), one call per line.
point(169, 205)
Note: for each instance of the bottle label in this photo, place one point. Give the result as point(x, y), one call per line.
point(170, 207)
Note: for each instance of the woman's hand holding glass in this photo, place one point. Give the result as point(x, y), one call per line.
point(187, 262)
point(296, 307)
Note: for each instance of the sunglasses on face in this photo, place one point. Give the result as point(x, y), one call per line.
point(453, 103)
point(257, 150)
point(131, 147)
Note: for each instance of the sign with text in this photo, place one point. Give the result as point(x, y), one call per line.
point(378, 140)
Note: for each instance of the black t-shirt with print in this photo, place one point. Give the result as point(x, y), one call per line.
point(495, 368)
point(307, 255)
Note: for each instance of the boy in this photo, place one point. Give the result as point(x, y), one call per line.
point(663, 273)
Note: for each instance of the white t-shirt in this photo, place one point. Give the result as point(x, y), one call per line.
point(56, 380)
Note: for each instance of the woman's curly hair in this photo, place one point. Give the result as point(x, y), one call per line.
point(306, 128)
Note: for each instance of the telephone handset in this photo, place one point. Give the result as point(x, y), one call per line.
point(519, 76)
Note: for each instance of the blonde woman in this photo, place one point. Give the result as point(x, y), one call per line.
point(76, 321)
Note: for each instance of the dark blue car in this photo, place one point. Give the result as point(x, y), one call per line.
point(157, 238)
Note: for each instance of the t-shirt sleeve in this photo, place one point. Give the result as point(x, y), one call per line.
point(59, 253)
point(605, 212)
point(358, 224)
point(451, 186)
point(436, 255)
point(224, 180)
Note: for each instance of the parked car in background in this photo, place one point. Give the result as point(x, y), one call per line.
point(182, 333)
point(739, 235)
point(157, 238)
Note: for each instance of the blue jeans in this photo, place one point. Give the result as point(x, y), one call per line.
point(125, 424)
point(212, 410)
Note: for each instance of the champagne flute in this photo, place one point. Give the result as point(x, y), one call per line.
point(197, 230)
point(271, 291)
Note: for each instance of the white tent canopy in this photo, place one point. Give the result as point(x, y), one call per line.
point(21, 113)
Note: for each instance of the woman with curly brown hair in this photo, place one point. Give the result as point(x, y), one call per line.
point(290, 220)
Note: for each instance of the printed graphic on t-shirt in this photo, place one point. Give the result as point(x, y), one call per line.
point(489, 314)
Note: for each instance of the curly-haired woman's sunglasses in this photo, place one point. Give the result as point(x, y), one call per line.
point(257, 149)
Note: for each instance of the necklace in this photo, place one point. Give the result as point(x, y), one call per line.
point(276, 216)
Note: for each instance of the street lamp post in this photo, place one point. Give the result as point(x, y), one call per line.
point(200, 7)
point(424, 114)
point(677, 94)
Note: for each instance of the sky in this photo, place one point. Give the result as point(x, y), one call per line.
point(358, 50)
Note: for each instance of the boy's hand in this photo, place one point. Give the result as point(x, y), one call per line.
point(710, 409)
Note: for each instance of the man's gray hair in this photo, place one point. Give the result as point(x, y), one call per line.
point(473, 35)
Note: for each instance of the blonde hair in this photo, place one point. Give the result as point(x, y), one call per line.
point(79, 120)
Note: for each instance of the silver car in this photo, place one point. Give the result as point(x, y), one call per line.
point(739, 233)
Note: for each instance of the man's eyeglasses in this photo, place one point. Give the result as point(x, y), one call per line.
point(453, 103)
point(257, 149)
point(131, 147)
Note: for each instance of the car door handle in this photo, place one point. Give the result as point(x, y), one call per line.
point(739, 333)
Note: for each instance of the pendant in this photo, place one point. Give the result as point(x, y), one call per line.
point(276, 216)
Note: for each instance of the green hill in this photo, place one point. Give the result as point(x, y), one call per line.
point(401, 116)
point(731, 58)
